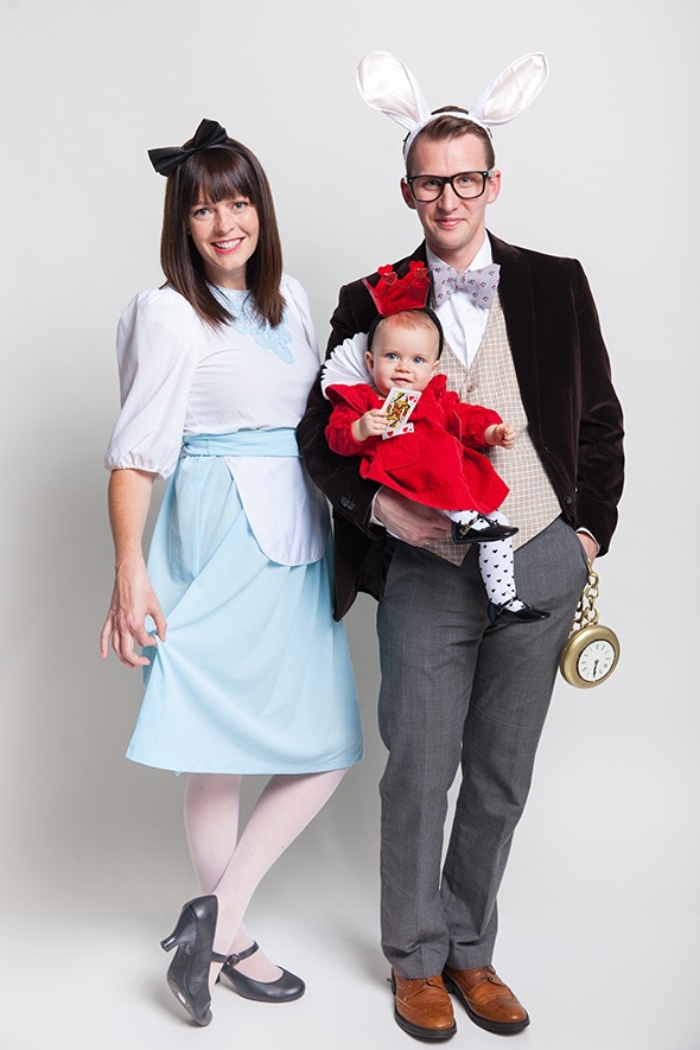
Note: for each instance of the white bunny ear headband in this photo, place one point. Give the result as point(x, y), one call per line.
point(386, 84)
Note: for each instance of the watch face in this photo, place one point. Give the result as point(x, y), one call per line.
point(596, 660)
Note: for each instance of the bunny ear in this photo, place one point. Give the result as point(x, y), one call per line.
point(387, 85)
point(512, 91)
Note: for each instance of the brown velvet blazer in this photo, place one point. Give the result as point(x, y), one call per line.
point(574, 416)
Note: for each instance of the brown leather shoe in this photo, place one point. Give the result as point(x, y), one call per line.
point(422, 1007)
point(488, 1001)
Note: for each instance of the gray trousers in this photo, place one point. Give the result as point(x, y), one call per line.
point(456, 690)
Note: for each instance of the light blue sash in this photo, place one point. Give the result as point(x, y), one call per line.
point(279, 442)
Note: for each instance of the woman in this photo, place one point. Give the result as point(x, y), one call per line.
point(254, 676)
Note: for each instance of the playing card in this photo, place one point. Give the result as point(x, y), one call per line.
point(398, 406)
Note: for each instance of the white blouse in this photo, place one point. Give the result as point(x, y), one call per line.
point(179, 376)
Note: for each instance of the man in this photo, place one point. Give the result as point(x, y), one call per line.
point(455, 689)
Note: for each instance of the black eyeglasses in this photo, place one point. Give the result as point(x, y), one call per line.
point(466, 184)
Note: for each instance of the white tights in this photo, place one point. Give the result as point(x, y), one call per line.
point(496, 563)
point(232, 867)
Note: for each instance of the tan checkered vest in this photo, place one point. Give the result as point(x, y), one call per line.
point(491, 381)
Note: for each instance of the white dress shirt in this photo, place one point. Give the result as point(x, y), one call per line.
point(463, 322)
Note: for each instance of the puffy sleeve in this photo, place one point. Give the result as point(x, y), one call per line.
point(349, 403)
point(156, 358)
point(467, 422)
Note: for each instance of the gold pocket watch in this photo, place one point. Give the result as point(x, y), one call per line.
point(591, 653)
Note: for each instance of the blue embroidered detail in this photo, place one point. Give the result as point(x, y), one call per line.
point(245, 322)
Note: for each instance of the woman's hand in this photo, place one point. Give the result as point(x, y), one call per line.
point(133, 599)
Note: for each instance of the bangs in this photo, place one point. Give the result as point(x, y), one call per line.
point(219, 174)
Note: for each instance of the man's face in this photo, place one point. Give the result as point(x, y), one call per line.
point(454, 228)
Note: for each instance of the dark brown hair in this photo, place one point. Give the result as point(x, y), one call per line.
point(447, 126)
point(216, 174)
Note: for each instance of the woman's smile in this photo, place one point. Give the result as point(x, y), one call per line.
point(225, 233)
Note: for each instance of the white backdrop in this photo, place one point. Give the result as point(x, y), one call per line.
point(602, 167)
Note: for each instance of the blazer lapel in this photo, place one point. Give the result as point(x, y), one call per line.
point(518, 302)
point(419, 255)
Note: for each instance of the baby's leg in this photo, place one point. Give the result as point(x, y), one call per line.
point(497, 571)
point(496, 565)
point(472, 527)
point(462, 517)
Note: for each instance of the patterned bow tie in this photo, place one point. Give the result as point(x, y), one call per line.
point(480, 285)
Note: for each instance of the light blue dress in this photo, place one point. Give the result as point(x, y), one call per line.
point(255, 676)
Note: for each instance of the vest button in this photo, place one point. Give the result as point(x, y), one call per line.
point(471, 388)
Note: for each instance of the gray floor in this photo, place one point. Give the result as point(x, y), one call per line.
point(99, 982)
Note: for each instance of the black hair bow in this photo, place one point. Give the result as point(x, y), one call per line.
point(169, 158)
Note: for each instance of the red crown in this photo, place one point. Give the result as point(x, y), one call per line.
point(392, 294)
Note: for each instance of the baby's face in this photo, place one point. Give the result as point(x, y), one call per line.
point(403, 357)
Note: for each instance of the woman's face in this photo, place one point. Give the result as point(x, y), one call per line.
point(226, 235)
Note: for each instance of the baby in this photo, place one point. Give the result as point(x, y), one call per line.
point(434, 459)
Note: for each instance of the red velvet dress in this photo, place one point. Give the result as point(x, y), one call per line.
point(438, 463)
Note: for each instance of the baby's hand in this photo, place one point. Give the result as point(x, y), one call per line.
point(502, 434)
point(371, 424)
